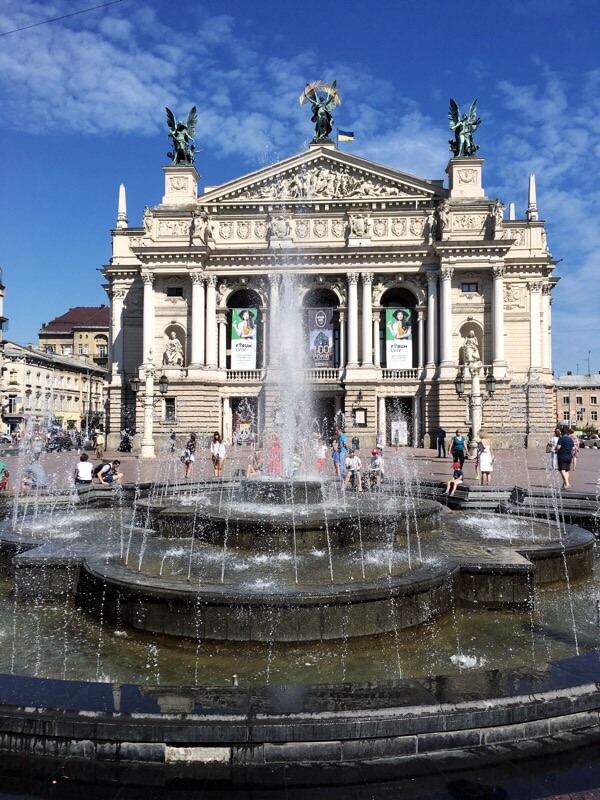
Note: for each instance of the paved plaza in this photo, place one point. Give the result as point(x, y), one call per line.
point(525, 468)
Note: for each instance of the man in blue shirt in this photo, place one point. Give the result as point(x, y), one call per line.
point(564, 456)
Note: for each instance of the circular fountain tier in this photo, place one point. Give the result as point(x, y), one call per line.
point(290, 516)
point(221, 568)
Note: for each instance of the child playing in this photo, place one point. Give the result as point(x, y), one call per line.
point(456, 480)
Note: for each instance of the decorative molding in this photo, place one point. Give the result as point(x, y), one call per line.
point(352, 277)
point(447, 272)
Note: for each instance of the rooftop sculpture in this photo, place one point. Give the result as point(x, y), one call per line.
point(322, 107)
point(463, 128)
point(182, 136)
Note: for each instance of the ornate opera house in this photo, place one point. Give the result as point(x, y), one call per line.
point(403, 284)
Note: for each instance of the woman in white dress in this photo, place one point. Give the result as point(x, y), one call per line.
point(486, 459)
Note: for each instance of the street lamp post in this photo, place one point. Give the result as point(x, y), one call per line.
point(149, 401)
point(475, 399)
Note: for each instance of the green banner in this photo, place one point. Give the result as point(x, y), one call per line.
point(398, 338)
point(243, 338)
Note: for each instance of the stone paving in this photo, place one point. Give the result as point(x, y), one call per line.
point(525, 468)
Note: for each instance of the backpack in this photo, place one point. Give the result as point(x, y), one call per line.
point(99, 467)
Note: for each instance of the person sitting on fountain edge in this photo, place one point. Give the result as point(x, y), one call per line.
point(456, 479)
point(353, 470)
point(109, 473)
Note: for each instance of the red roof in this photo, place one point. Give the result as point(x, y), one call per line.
point(78, 317)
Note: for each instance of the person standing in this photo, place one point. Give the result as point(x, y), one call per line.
point(575, 449)
point(343, 448)
point(99, 445)
point(189, 455)
point(564, 456)
point(486, 458)
point(217, 452)
point(173, 440)
point(457, 448)
point(551, 448)
point(441, 443)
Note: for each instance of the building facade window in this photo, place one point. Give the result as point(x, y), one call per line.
point(593, 399)
point(169, 409)
point(594, 416)
point(469, 288)
point(578, 400)
point(566, 416)
point(174, 291)
point(566, 399)
point(580, 416)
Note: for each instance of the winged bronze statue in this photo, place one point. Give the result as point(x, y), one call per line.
point(463, 128)
point(322, 107)
point(182, 136)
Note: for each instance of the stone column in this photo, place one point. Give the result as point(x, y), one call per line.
point(367, 318)
point(342, 339)
point(376, 350)
point(498, 315)
point(226, 421)
point(535, 309)
point(446, 317)
point(222, 322)
point(381, 421)
point(198, 322)
point(421, 335)
point(431, 318)
point(352, 319)
point(116, 339)
point(148, 318)
point(211, 321)
point(265, 333)
point(546, 341)
point(274, 314)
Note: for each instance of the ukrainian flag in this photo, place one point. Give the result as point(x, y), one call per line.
point(345, 136)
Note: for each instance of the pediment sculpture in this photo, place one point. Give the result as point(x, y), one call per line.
point(320, 181)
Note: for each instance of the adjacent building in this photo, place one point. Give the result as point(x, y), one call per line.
point(81, 332)
point(403, 283)
point(42, 388)
point(577, 400)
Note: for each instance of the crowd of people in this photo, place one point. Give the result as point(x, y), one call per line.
point(312, 455)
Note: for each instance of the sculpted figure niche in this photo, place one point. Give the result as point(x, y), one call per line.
point(470, 350)
point(173, 351)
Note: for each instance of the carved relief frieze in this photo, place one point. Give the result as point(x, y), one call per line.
point(302, 228)
point(338, 228)
point(178, 183)
point(514, 296)
point(260, 229)
point(518, 234)
point(243, 229)
point(467, 222)
point(467, 176)
point(399, 227)
point(417, 227)
point(320, 228)
point(226, 230)
point(380, 227)
point(174, 227)
point(360, 225)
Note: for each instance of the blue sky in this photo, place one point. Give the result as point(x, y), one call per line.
point(82, 106)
